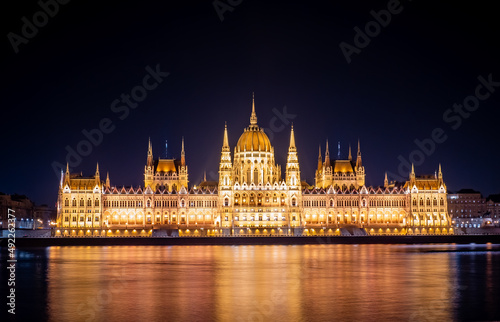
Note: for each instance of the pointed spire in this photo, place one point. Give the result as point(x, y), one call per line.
point(205, 176)
point(183, 154)
point(225, 143)
point(327, 155)
point(386, 182)
point(150, 154)
point(97, 175)
point(253, 116)
point(107, 179)
point(320, 163)
point(67, 168)
point(292, 140)
point(350, 155)
point(412, 173)
point(440, 174)
point(359, 163)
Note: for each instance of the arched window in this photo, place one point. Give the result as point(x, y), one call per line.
point(148, 203)
point(226, 202)
point(66, 202)
point(82, 202)
point(441, 202)
point(331, 202)
point(89, 203)
point(294, 202)
point(96, 203)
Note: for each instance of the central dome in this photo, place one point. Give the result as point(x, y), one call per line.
point(253, 139)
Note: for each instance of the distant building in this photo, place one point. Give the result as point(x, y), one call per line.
point(23, 210)
point(467, 209)
point(44, 217)
point(466, 203)
point(493, 208)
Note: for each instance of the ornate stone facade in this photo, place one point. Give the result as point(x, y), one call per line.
point(251, 198)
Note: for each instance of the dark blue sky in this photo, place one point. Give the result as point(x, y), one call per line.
point(397, 89)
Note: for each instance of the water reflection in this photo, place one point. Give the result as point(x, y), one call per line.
point(262, 283)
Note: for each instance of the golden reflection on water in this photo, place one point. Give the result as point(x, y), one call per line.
point(249, 283)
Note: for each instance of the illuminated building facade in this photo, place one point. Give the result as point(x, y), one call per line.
point(251, 198)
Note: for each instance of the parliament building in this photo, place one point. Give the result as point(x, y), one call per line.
point(252, 198)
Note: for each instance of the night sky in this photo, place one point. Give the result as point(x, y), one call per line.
point(400, 87)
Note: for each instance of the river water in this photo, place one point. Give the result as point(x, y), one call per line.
point(258, 283)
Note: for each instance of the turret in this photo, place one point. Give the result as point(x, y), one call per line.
point(97, 175)
point(327, 156)
point(183, 154)
point(358, 159)
point(150, 154)
point(66, 175)
point(412, 174)
point(292, 164)
point(320, 162)
point(225, 166)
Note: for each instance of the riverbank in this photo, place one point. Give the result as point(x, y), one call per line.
point(288, 240)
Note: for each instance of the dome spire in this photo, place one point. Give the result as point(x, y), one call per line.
point(253, 116)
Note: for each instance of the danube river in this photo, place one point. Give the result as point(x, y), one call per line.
point(258, 283)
